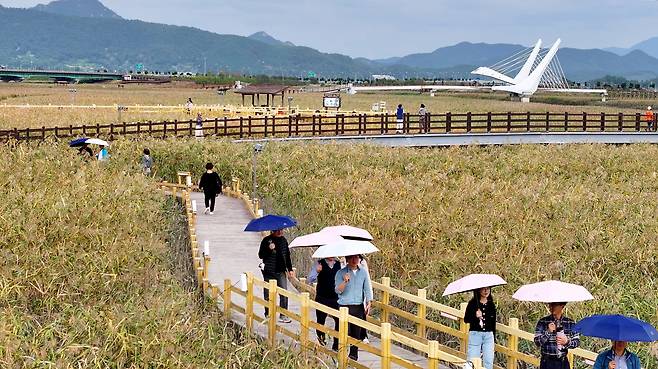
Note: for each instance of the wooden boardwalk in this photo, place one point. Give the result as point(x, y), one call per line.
point(233, 252)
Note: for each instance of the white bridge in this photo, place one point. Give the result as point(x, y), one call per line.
point(535, 69)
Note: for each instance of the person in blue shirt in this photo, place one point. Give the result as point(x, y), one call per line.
point(399, 119)
point(618, 357)
point(355, 293)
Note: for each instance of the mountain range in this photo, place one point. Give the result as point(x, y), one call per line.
point(67, 33)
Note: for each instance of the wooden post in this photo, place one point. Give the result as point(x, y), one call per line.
point(386, 298)
point(602, 121)
point(43, 132)
point(527, 124)
point(385, 346)
point(433, 355)
point(337, 122)
point(271, 323)
point(513, 344)
point(566, 121)
point(249, 125)
point(227, 299)
point(509, 121)
point(548, 121)
point(448, 122)
point(422, 313)
point(637, 122)
point(584, 121)
point(488, 122)
point(468, 121)
point(265, 126)
point(305, 313)
point(463, 327)
point(477, 363)
point(620, 122)
point(570, 358)
point(343, 347)
point(214, 292)
point(249, 308)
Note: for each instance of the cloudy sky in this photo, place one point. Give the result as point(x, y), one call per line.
point(383, 28)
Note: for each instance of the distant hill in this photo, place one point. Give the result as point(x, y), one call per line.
point(78, 8)
point(91, 40)
point(266, 38)
point(649, 46)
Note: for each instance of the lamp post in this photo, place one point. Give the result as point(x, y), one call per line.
point(257, 149)
point(73, 91)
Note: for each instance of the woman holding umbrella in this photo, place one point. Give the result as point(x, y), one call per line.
point(620, 329)
point(481, 315)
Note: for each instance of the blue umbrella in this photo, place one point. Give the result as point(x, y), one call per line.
point(270, 223)
point(78, 142)
point(617, 328)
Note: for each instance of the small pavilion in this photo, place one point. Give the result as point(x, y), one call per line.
point(270, 91)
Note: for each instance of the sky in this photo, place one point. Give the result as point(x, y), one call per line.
point(385, 28)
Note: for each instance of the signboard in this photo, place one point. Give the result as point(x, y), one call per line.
point(311, 74)
point(331, 101)
point(139, 67)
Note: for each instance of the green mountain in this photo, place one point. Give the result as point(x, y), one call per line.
point(78, 8)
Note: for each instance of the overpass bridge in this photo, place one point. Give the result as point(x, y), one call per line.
point(7, 75)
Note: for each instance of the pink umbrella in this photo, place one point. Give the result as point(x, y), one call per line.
point(552, 291)
point(315, 239)
point(473, 282)
point(349, 232)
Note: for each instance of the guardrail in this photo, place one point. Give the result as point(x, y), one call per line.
point(353, 124)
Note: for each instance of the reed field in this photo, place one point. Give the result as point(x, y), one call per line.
point(95, 273)
point(177, 94)
point(579, 213)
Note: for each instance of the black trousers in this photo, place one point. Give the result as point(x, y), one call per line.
point(353, 330)
point(549, 362)
point(322, 318)
point(210, 200)
point(281, 281)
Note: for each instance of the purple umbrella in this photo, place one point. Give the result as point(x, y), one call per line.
point(552, 291)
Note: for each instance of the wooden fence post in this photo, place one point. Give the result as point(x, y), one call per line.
point(422, 313)
point(43, 132)
point(637, 122)
point(265, 126)
point(513, 344)
point(227, 299)
point(385, 346)
point(386, 298)
point(620, 122)
point(468, 121)
point(488, 122)
point(570, 359)
point(319, 125)
point(249, 308)
point(566, 121)
point(249, 125)
point(584, 121)
point(433, 355)
point(343, 346)
point(548, 121)
point(337, 124)
point(602, 121)
point(448, 122)
point(463, 328)
point(509, 121)
point(271, 323)
point(305, 319)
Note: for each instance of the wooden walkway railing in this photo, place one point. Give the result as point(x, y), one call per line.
point(409, 328)
point(352, 124)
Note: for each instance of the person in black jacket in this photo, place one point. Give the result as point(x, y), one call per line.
point(276, 265)
point(324, 272)
point(211, 185)
point(481, 316)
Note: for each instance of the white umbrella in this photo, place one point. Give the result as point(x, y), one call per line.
point(473, 282)
point(315, 239)
point(96, 141)
point(344, 248)
point(552, 291)
point(349, 232)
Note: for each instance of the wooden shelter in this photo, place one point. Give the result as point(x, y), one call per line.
point(270, 91)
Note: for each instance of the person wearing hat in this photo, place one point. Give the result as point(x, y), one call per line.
point(618, 357)
point(555, 335)
point(648, 117)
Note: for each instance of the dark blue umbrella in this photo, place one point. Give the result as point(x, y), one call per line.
point(78, 142)
point(270, 223)
point(617, 328)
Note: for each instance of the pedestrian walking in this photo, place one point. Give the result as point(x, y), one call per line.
point(147, 162)
point(399, 119)
point(555, 335)
point(324, 272)
point(422, 118)
point(103, 154)
point(353, 287)
point(211, 185)
point(649, 118)
point(189, 105)
point(618, 357)
point(481, 315)
point(276, 265)
point(198, 132)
